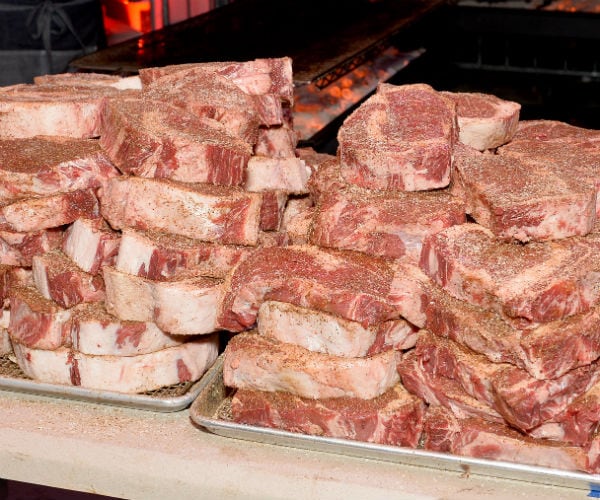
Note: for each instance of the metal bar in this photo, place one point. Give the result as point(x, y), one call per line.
point(165, 12)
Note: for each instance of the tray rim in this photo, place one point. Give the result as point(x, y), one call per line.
point(112, 398)
point(387, 453)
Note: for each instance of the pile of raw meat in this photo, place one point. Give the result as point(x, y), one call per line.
point(441, 289)
point(436, 284)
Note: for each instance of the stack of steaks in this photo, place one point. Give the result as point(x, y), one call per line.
point(333, 314)
point(433, 284)
point(510, 354)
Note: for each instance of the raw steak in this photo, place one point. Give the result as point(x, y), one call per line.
point(384, 224)
point(322, 332)
point(35, 214)
point(28, 110)
point(578, 424)
point(206, 94)
point(156, 139)
point(36, 321)
point(522, 400)
point(41, 166)
point(271, 210)
point(91, 244)
point(185, 306)
point(522, 200)
point(477, 438)
point(95, 331)
point(58, 278)
point(401, 138)
point(207, 213)
point(554, 131)
point(256, 362)
point(394, 418)
point(351, 285)
point(162, 256)
point(255, 77)
point(533, 283)
point(260, 88)
point(547, 351)
point(18, 249)
point(484, 120)
point(129, 374)
point(284, 174)
point(438, 390)
point(573, 158)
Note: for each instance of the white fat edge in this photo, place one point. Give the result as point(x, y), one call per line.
point(128, 297)
point(135, 252)
point(81, 245)
point(128, 82)
point(183, 310)
point(40, 278)
point(51, 366)
point(286, 174)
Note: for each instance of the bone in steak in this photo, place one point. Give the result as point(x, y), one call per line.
point(401, 138)
point(183, 306)
point(156, 139)
point(520, 199)
point(91, 244)
point(323, 332)
point(58, 278)
point(128, 374)
point(18, 249)
point(163, 256)
point(41, 166)
point(203, 212)
point(351, 285)
point(27, 110)
point(36, 321)
point(53, 211)
point(394, 418)
point(534, 283)
point(95, 331)
point(522, 400)
point(477, 438)
point(256, 362)
point(484, 120)
point(547, 351)
point(387, 224)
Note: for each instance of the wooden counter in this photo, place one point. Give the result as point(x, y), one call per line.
point(134, 454)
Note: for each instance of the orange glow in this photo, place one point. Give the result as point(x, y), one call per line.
point(316, 107)
point(590, 6)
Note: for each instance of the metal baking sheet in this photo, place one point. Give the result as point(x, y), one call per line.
point(211, 410)
point(167, 399)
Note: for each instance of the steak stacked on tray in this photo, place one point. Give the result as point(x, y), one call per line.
point(125, 202)
point(434, 284)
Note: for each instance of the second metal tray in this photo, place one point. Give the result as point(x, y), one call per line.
point(211, 410)
point(167, 399)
